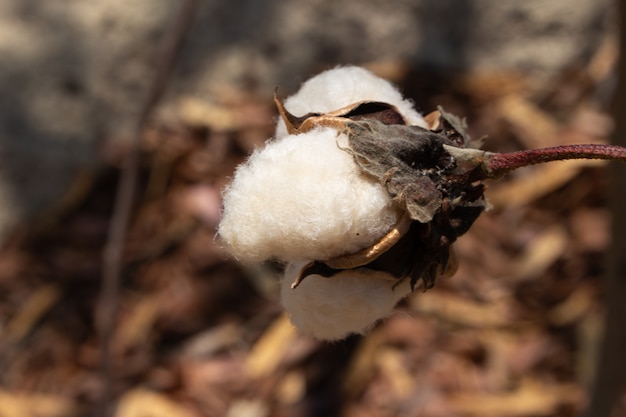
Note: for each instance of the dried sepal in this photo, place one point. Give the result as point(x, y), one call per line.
point(367, 255)
point(403, 159)
point(362, 257)
point(453, 128)
point(383, 112)
point(451, 266)
point(423, 254)
point(468, 160)
point(432, 120)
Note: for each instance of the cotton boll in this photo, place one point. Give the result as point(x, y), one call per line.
point(340, 87)
point(335, 307)
point(303, 198)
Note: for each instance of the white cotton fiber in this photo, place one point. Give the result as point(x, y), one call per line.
point(335, 307)
point(303, 198)
point(341, 87)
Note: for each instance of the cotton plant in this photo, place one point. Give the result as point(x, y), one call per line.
point(361, 198)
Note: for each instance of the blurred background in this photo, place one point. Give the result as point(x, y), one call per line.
point(191, 333)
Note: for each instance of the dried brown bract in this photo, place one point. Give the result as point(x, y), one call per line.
point(363, 110)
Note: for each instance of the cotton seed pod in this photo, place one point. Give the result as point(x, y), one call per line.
point(353, 190)
point(363, 198)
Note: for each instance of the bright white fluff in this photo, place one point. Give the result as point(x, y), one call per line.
point(303, 198)
point(349, 302)
point(341, 87)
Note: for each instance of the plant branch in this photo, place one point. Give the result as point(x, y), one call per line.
point(499, 164)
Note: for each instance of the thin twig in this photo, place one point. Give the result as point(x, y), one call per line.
point(499, 164)
point(124, 201)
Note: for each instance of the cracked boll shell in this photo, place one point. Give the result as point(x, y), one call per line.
point(350, 302)
point(303, 198)
point(343, 86)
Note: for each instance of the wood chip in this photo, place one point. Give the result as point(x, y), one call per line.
point(530, 398)
point(541, 181)
point(533, 126)
point(268, 352)
point(574, 307)
point(540, 254)
point(292, 388)
point(39, 303)
point(135, 329)
point(199, 113)
point(144, 403)
point(392, 366)
point(39, 405)
point(460, 310)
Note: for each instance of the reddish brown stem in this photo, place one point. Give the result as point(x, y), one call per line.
point(498, 164)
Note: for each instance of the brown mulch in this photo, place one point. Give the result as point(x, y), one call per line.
point(513, 333)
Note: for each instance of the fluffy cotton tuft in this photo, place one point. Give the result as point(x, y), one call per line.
point(303, 198)
point(349, 302)
point(341, 87)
